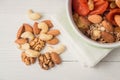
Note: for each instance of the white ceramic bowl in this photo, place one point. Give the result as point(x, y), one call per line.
point(81, 35)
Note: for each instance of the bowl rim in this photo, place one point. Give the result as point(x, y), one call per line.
point(81, 35)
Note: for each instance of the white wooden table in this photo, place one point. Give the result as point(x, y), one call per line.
point(13, 14)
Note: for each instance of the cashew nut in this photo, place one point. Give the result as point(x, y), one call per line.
point(60, 49)
point(43, 26)
point(32, 53)
point(28, 35)
point(33, 15)
point(24, 46)
point(45, 37)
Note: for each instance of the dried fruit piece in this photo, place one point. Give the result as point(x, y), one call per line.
point(54, 32)
point(53, 41)
point(108, 27)
point(100, 7)
point(91, 4)
point(49, 23)
point(81, 7)
point(55, 58)
point(95, 18)
point(20, 31)
point(117, 19)
point(107, 37)
point(111, 14)
point(75, 17)
point(20, 41)
point(36, 30)
point(83, 23)
point(117, 3)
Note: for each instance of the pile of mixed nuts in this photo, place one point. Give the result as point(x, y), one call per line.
point(32, 40)
point(100, 19)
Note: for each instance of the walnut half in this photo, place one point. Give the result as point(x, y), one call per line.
point(27, 60)
point(37, 44)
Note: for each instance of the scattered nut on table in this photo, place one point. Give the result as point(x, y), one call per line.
point(32, 40)
point(33, 15)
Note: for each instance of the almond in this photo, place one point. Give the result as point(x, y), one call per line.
point(49, 23)
point(53, 41)
point(54, 32)
point(107, 37)
point(36, 30)
point(20, 31)
point(108, 27)
point(20, 41)
point(95, 18)
point(28, 27)
point(117, 19)
point(55, 58)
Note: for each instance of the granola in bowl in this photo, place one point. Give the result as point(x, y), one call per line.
point(82, 16)
point(99, 20)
